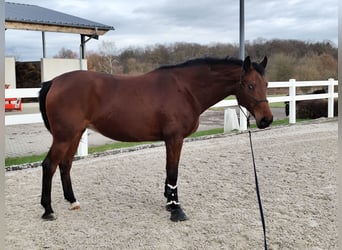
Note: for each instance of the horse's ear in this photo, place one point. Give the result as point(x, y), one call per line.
point(247, 64)
point(264, 62)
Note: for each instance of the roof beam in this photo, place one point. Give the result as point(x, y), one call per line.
point(53, 28)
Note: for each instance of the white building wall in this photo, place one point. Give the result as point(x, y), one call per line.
point(10, 72)
point(52, 67)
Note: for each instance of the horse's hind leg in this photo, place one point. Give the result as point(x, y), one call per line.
point(68, 192)
point(48, 171)
point(49, 168)
point(65, 167)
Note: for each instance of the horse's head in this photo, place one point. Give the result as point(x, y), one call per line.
point(252, 92)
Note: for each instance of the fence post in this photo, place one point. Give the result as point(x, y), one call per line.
point(292, 103)
point(230, 120)
point(243, 118)
point(82, 149)
point(331, 98)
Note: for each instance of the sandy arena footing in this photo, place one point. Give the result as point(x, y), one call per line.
point(122, 203)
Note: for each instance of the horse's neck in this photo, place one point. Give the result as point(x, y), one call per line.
point(209, 88)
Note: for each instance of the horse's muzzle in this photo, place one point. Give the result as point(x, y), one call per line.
point(264, 122)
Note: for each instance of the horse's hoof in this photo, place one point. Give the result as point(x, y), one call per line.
point(75, 206)
point(49, 217)
point(168, 208)
point(177, 214)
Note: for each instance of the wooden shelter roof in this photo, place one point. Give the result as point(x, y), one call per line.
point(32, 17)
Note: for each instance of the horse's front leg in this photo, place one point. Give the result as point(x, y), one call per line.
point(173, 151)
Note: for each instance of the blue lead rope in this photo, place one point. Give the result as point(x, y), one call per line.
point(258, 193)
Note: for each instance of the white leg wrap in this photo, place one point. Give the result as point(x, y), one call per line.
point(75, 205)
point(172, 187)
point(172, 202)
point(172, 198)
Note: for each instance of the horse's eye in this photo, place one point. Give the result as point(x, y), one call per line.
point(250, 86)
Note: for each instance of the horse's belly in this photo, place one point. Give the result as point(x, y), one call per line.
point(137, 126)
point(127, 132)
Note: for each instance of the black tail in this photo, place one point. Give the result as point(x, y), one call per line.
point(42, 102)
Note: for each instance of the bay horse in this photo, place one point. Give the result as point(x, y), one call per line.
point(164, 105)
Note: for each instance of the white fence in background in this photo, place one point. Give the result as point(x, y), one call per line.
point(292, 84)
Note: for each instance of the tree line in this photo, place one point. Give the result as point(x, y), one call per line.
point(288, 59)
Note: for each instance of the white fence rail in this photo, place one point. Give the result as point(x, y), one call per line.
point(22, 118)
point(293, 97)
point(292, 84)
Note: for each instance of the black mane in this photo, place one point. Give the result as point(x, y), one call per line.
point(204, 61)
point(212, 61)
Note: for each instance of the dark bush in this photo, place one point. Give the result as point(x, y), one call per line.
point(313, 109)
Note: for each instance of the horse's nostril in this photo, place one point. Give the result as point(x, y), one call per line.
point(265, 122)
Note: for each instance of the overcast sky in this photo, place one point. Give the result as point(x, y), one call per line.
point(140, 23)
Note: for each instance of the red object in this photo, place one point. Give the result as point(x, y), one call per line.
point(12, 104)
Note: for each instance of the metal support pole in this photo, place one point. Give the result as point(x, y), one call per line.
point(243, 119)
point(43, 42)
point(242, 30)
point(82, 149)
point(82, 47)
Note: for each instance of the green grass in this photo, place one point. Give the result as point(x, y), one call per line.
point(277, 105)
point(97, 149)
point(207, 132)
point(111, 146)
point(24, 159)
